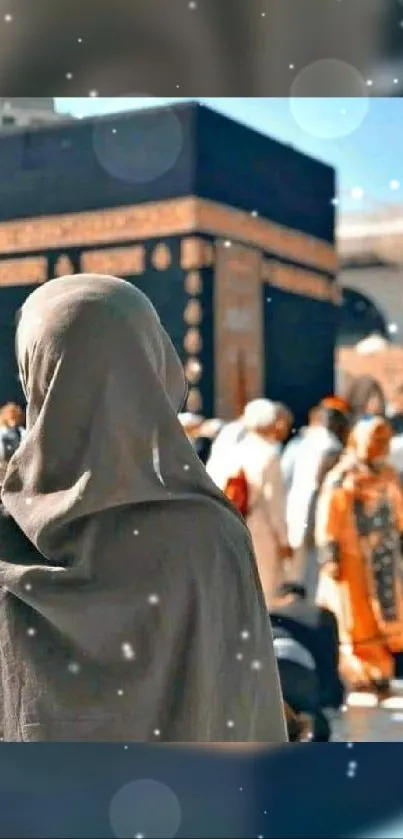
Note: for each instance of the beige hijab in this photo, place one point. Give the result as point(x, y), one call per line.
point(103, 385)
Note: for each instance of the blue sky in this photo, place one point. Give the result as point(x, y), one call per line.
point(362, 137)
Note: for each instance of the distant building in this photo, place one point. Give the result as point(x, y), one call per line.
point(28, 112)
point(370, 248)
point(370, 340)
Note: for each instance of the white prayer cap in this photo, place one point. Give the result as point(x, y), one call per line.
point(259, 414)
point(189, 420)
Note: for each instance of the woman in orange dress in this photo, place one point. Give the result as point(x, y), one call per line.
point(359, 527)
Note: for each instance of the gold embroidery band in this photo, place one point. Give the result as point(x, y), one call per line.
point(179, 216)
point(299, 281)
point(30, 270)
point(120, 261)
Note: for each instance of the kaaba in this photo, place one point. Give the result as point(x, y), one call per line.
point(229, 232)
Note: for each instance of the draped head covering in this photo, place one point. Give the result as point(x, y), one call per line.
point(370, 439)
point(103, 385)
point(259, 414)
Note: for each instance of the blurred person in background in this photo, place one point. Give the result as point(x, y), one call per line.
point(395, 415)
point(306, 643)
point(289, 454)
point(359, 534)
point(365, 396)
point(12, 429)
point(283, 425)
point(206, 436)
point(325, 437)
point(249, 473)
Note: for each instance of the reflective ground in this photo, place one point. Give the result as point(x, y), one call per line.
point(364, 721)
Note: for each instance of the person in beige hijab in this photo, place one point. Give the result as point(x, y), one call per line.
point(131, 608)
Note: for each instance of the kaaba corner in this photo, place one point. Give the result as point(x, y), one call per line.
point(229, 232)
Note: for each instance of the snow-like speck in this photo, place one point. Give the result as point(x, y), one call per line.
point(153, 599)
point(31, 631)
point(245, 634)
point(128, 652)
point(256, 665)
point(74, 668)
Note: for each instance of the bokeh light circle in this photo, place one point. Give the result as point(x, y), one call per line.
point(329, 99)
point(139, 148)
point(145, 808)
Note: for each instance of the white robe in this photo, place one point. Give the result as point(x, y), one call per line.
point(266, 521)
point(315, 444)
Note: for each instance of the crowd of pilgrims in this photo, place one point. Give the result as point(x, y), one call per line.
point(324, 506)
point(108, 631)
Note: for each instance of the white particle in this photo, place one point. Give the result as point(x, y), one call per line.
point(394, 184)
point(393, 328)
point(192, 5)
point(245, 635)
point(227, 244)
point(186, 467)
point(79, 40)
point(69, 76)
point(350, 745)
point(369, 82)
point(256, 665)
point(8, 18)
point(291, 66)
point(74, 668)
point(240, 789)
point(28, 586)
point(177, 87)
point(28, 501)
point(153, 599)
point(139, 836)
point(125, 747)
point(135, 532)
point(395, 81)
point(93, 93)
point(239, 656)
point(230, 723)
point(263, 14)
point(357, 193)
point(31, 631)
point(268, 299)
point(114, 130)
point(254, 213)
point(335, 202)
point(401, 23)
point(157, 732)
point(128, 652)
point(120, 692)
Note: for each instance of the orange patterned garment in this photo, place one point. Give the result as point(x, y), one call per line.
point(358, 532)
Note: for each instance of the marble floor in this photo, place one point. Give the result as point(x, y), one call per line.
point(364, 720)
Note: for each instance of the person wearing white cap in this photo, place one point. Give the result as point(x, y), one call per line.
point(254, 451)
